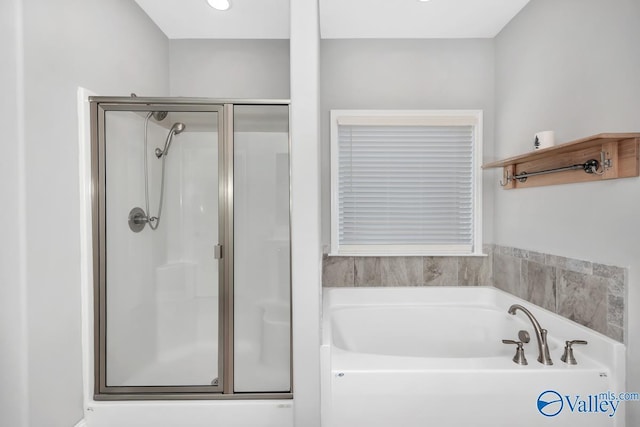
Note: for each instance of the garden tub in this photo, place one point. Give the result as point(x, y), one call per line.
point(434, 356)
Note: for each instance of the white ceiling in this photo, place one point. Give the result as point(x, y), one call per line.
point(416, 19)
point(269, 19)
point(245, 19)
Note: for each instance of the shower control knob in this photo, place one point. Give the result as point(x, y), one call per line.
point(137, 219)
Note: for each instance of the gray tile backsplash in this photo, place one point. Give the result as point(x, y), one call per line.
point(583, 299)
point(407, 271)
point(439, 271)
point(475, 271)
point(506, 273)
point(538, 283)
point(338, 271)
point(588, 293)
point(401, 271)
point(368, 272)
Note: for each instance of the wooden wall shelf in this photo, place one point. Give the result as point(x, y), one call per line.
point(617, 154)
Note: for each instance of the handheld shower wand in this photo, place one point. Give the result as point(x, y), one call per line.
point(175, 129)
point(138, 218)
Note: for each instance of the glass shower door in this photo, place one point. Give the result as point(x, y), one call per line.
point(160, 311)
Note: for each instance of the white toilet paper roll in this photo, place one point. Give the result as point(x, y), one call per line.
point(544, 139)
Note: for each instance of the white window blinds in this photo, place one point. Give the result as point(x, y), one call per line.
point(404, 185)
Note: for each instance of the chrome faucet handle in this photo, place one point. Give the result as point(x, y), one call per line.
point(524, 336)
point(519, 357)
point(567, 356)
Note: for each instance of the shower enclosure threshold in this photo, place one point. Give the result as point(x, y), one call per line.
point(272, 413)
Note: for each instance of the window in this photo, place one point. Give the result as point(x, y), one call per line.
point(406, 182)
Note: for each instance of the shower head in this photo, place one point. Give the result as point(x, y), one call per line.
point(177, 128)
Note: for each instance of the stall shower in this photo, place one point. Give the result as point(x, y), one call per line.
point(191, 248)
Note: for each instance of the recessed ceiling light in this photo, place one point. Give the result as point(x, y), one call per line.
point(219, 4)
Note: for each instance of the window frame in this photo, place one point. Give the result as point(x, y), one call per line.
point(408, 118)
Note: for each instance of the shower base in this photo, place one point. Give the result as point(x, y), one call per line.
point(191, 366)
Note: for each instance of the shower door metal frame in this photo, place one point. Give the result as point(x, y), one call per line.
point(224, 108)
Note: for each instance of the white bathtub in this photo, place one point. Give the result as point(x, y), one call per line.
point(434, 357)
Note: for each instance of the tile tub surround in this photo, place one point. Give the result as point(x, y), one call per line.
point(588, 293)
point(338, 271)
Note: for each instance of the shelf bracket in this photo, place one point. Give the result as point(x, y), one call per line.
point(608, 153)
point(507, 181)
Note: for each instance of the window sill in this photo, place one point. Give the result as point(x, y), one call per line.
point(370, 255)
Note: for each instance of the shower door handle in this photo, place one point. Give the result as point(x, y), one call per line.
point(217, 251)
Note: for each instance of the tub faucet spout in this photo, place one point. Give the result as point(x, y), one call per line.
point(541, 334)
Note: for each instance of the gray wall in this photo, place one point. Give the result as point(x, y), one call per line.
point(572, 66)
point(230, 68)
point(111, 48)
point(13, 336)
point(406, 74)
